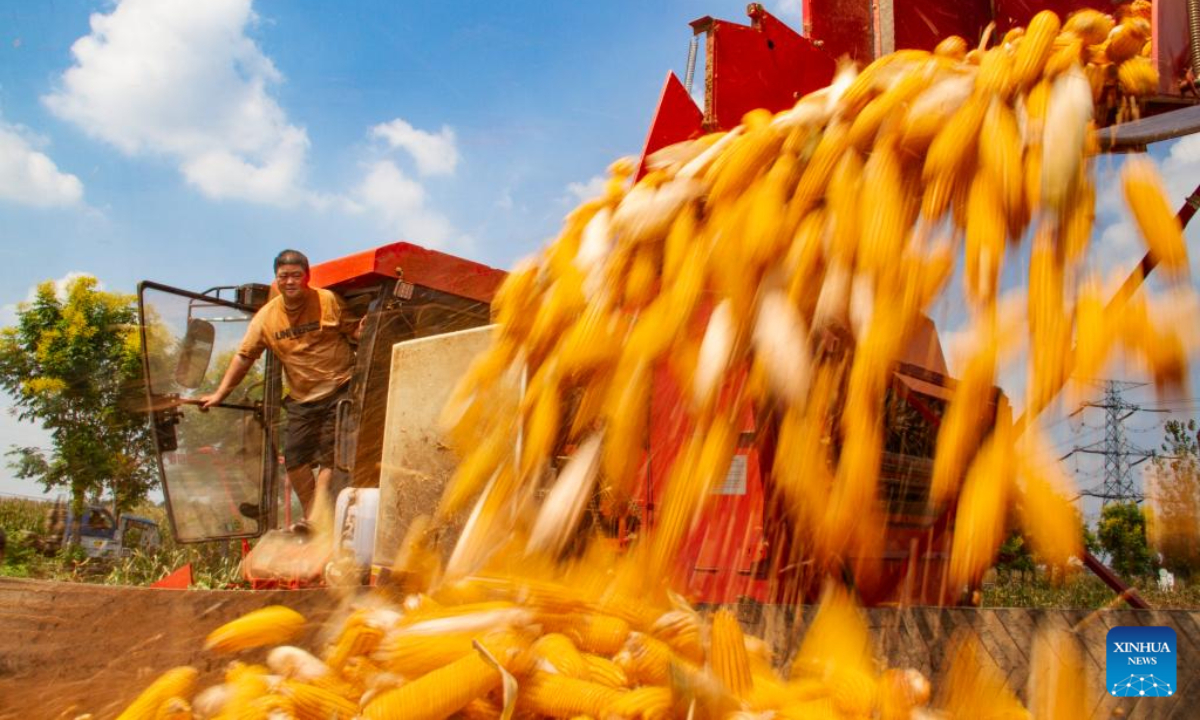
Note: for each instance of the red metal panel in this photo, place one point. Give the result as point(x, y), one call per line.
point(676, 119)
point(1172, 48)
point(413, 263)
point(843, 27)
point(924, 23)
point(763, 65)
point(1010, 13)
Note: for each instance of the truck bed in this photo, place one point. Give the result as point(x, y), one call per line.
point(67, 649)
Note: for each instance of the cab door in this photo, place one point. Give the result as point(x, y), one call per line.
point(218, 468)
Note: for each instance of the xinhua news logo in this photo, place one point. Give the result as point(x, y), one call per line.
point(1141, 662)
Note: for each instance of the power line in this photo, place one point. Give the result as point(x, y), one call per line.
point(1120, 455)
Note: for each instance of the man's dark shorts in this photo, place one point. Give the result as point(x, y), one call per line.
point(310, 430)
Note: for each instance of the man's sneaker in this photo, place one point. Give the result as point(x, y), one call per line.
point(250, 510)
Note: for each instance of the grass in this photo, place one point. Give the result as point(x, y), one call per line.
point(1081, 590)
point(214, 565)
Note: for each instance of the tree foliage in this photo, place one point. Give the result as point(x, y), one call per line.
point(71, 363)
point(1173, 500)
point(1122, 535)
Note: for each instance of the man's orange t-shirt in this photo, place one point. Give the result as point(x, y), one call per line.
point(312, 343)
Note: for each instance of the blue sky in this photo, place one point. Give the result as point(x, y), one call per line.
point(187, 142)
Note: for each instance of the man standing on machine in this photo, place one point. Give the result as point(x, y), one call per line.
point(310, 331)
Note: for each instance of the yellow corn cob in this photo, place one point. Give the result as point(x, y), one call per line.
point(902, 92)
point(1034, 48)
point(245, 683)
point(314, 703)
point(974, 682)
point(854, 691)
point(516, 299)
point(1126, 39)
point(900, 692)
point(997, 74)
point(952, 47)
point(271, 706)
point(416, 655)
point(844, 196)
point(646, 660)
point(541, 428)
point(481, 709)
point(273, 625)
point(592, 343)
point(623, 438)
point(175, 708)
point(1066, 53)
point(590, 405)
point(818, 171)
point(885, 211)
point(1000, 160)
point(1097, 75)
point(837, 638)
point(1092, 26)
point(727, 654)
point(950, 155)
point(979, 526)
point(821, 709)
point(356, 639)
point(733, 172)
point(563, 303)
point(557, 651)
point(360, 672)
point(605, 672)
point(1047, 512)
point(986, 230)
point(682, 630)
point(440, 693)
point(1138, 77)
point(598, 633)
point(178, 682)
point(1158, 225)
point(928, 113)
point(650, 703)
point(557, 696)
point(1079, 216)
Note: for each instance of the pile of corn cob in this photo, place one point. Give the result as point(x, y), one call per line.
point(775, 270)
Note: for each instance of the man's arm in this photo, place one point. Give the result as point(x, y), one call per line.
point(233, 376)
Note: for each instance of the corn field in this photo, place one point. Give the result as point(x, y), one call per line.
point(31, 555)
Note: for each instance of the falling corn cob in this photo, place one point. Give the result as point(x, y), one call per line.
point(269, 626)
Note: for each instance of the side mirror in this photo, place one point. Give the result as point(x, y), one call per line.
point(194, 353)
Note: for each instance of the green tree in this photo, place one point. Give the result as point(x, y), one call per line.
point(72, 363)
point(1173, 500)
point(1014, 556)
point(1122, 534)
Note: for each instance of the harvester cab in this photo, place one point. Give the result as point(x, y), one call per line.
point(221, 471)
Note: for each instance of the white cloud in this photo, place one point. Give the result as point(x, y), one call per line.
point(589, 190)
point(435, 154)
point(181, 79)
point(402, 204)
point(30, 177)
point(1181, 168)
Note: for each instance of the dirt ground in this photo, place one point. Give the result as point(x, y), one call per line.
point(67, 649)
